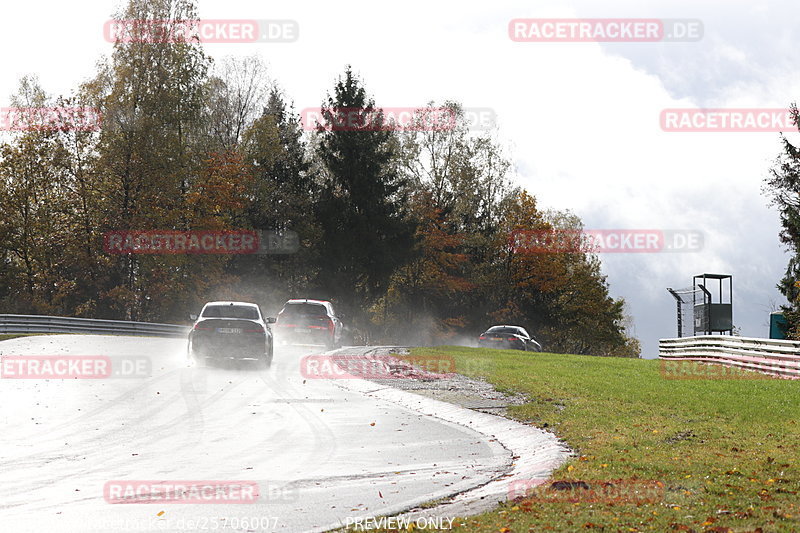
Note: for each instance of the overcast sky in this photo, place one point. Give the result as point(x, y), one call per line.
point(581, 120)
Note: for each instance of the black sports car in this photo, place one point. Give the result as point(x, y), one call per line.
point(231, 330)
point(509, 338)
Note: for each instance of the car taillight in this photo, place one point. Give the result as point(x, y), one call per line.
point(483, 338)
point(257, 330)
point(198, 327)
point(330, 324)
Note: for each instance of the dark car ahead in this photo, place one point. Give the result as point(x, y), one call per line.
point(304, 321)
point(509, 338)
point(231, 330)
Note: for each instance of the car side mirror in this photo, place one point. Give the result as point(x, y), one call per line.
point(192, 317)
point(270, 320)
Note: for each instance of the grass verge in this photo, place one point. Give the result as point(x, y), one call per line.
point(658, 451)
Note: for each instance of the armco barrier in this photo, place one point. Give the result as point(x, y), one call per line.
point(778, 357)
point(59, 324)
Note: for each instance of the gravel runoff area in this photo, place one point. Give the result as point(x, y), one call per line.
point(532, 453)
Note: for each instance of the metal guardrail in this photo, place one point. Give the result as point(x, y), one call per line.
point(772, 356)
point(59, 324)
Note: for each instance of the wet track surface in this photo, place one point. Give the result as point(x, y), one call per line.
point(319, 455)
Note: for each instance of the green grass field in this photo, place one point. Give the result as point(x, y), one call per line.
point(723, 452)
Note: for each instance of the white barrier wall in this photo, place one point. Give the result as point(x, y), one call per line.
point(777, 357)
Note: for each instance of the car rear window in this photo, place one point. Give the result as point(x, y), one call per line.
point(514, 331)
point(305, 309)
point(231, 311)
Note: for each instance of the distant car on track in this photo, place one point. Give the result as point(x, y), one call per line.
point(309, 321)
point(231, 330)
point(509, 338)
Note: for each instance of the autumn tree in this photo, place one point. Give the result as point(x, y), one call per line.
point(466, 172)
point(560, 293)
point(47, 203)
point(152, 95)
point(424, 300)
point(237, 92)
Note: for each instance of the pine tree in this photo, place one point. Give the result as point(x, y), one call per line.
point(784, 188)
point(366, 232)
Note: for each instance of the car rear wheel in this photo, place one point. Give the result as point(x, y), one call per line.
point(268, 356)
point(193, 357)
